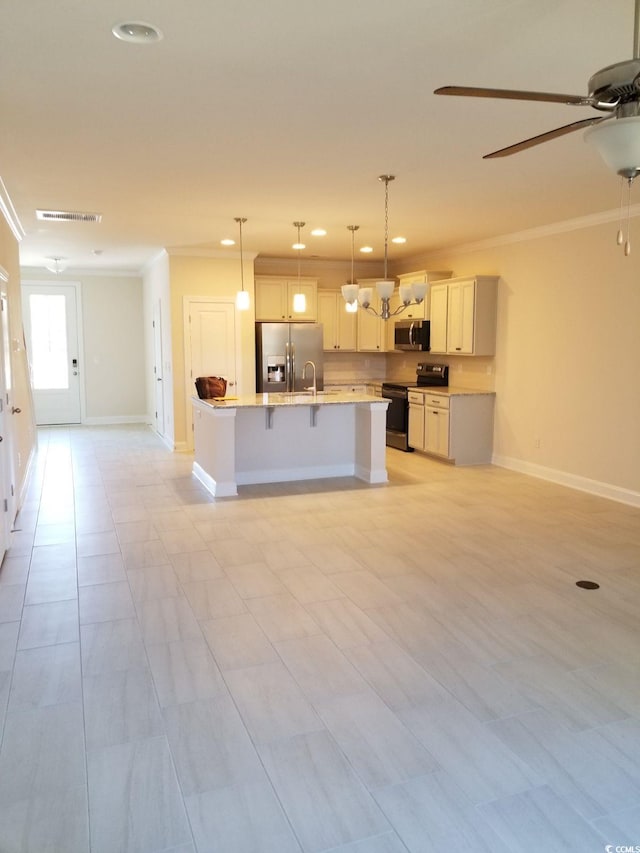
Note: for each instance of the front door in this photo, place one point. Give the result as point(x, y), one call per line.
point(210, 348)
point(51, 331)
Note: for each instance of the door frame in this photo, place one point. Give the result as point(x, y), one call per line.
point(187, 302)
point(77, 286)
point(7, 466)
point(158, 359)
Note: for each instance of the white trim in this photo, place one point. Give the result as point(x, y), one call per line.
point(4, 275)
point(287, 475)
point(216, 488)
point(163, 438)
point(9, 213)
point(572, 481)
point(117, 419)
point(26, 481)
point(538, 233)
point(210, 253)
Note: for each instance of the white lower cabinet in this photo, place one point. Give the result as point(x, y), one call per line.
point(436, 427)
point(453, 426)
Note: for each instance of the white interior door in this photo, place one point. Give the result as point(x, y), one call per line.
point(210, 347)
point(7, 491)
point(51, 331)
point(157, 368)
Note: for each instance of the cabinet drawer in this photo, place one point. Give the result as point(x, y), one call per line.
point(416, 398)
point(435, 401)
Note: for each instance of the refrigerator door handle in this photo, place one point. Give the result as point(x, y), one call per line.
point(287, 366)
point(292, 381)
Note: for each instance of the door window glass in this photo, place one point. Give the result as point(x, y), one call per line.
point(49, 357)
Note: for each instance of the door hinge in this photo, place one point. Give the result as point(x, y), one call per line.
point(153, 323)
point(12, 490)
point(6, 505)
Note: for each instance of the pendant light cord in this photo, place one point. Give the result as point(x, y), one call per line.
point(241, 220)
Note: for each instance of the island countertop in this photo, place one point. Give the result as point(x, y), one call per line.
point(273, 438)
point(297, 398)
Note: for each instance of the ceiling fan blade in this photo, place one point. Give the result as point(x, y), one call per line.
point(515, 95)
point(543, 137)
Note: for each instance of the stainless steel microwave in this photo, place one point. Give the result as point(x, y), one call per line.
point(412, 335)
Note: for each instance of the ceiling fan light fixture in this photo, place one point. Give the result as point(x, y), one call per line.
point(618, 143)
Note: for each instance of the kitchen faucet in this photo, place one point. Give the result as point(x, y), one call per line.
point(304, 376)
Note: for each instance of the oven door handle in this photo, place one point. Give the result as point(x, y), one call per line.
point(392, 394)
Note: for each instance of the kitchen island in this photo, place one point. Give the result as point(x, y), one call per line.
point(272, 438)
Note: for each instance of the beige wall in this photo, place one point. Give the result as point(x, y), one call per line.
point(568, 355)
point(217, 278)
point(113, 348)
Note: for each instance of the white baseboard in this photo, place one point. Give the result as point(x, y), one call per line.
point(116, 419)
point(216, 488)
point(288, 475)
point(572, 481)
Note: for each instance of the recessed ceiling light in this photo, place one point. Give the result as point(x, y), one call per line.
point(398, 239)
point(298, 246)
point(227, 241)
point(366, 249)
point(137, 32)
point(319, 232)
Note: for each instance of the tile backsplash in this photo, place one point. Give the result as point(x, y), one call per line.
point(355, 367)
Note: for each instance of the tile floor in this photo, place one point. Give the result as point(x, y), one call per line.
point(314, 667)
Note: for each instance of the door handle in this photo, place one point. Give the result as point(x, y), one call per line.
point(15, 410)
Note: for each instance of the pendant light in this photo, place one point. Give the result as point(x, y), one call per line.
point(299, 299)
point(242, 296)
point(350, 290)
point(56, 264)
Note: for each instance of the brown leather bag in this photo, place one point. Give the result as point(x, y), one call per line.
point(209, 387)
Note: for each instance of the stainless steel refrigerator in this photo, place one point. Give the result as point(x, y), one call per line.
point(281, 352)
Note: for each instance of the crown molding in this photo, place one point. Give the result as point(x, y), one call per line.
point(550, 230)
point(9, 213)
point(216, 254)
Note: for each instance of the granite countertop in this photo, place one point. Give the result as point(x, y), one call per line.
point(298, 398)
point(451, 391)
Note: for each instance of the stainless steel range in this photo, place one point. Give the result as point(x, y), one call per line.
point(427, 375)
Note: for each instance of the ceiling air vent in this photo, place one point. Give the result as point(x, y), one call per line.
point(68, 216)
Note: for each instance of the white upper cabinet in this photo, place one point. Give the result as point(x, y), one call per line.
point(274, 299)
point(463, 315)
point(339, 327)
point(418, 312)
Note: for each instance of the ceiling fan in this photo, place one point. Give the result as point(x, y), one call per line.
point(614, 90)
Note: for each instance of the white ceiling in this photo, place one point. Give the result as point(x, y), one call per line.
point(290, 109)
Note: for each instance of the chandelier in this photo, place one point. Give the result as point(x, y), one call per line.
point(410, 294)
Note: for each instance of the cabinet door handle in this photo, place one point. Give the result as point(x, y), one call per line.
point(458, 349)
